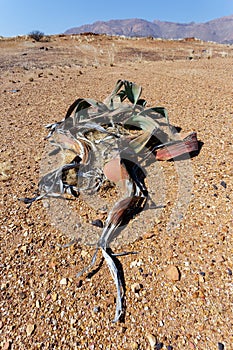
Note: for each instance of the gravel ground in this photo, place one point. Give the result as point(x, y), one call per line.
point(179, 288)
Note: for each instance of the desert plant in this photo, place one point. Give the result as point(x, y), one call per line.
point(104, 142)
point(36, 35)
point(111, 55)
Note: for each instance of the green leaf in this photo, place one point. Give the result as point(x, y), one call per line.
point(110, 100)
point(136, 90)
point(79, 104)
point(140, 142)
point(163, 112)
point(143, 122)
point(132, 91)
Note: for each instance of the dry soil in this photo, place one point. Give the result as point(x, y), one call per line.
point(179, 288)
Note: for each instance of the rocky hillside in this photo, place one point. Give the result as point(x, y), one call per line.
point(218, 30)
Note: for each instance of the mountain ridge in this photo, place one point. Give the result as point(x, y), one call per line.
point(219, 30)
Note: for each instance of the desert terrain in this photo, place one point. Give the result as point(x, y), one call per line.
point(178, 287)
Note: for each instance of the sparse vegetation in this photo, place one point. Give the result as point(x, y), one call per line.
point(111, 55)
point(36, 35)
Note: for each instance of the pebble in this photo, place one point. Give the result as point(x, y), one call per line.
point(136, 263)
point(30, 329)
point(84, 253)
point(219, 259)
point(96, 309)
point(169, 347)
point(97, 223)
point(38, 304)
point(134, 345)
point(54, 296)
point(7, 345)
point(135, 287)
point(159, 346)
point(22, 295)
point(63, 281)
point(72, 321)
point(223, 184)
point(229, 271)
point(201, 279)
point(220, 346)
point(152, 340)
point(24, 248)
point(79, 284)
point(173, 273)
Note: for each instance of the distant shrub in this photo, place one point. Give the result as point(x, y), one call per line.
point(36, 35)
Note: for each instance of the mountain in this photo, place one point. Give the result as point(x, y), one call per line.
point(218, 30)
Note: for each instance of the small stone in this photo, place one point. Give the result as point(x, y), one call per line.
point(7, 345)
point(1, 324)
point(5, 170)
point(79, 284)
point(84, 253)
point(38, 304)
point(53, 265)
point(169, 347)
point(24, 248)
point(159, 346)
point(22, 295)
point(63, 281)
point(220, 346)
point(173, 273)
point(72, 321)
point(54, 296)
point(136, 263)
point(30, 329)
point(134, 345)
point(152, 340)
point(219, 259)
point(96, 309)
point(201, 279)
point(229, 271)
point(97, 223)
point(195, 295)
point(135, 287)
point(37, 158)
point(201, 294)
point(223, 184)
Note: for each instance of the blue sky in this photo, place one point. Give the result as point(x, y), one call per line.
point(18, 17)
